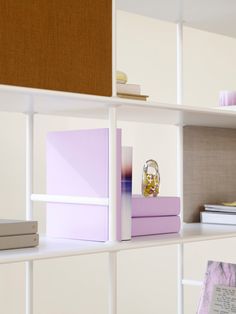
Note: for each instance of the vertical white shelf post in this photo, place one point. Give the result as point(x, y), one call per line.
point(180, 287)
point(112, 211)
point(112, 178)
point(29, 204)
point(114, 19)
point(112, 283)
point(179, 64)
point(179, 56)
point(112, 175)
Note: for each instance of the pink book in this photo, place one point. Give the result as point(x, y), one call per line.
point(155, 225)
point(218, 276)
point(155, 206)
point(78, 165)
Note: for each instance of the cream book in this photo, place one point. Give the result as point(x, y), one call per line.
point(132, 89)
point(131, 96)
point(9, 227)
point(18, 241)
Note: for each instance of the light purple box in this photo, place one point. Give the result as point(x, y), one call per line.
point(155, 225)
point(155, 206)
point(78, 165)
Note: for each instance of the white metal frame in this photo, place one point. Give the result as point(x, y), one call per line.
point(29, 205)
point(179, 99)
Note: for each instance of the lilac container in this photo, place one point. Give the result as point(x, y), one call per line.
point(227, 98)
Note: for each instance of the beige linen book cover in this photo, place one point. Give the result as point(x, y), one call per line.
point(17, 227)
point(19, 241)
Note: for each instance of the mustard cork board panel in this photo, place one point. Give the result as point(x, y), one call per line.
point(209, 164)
point(61, 45)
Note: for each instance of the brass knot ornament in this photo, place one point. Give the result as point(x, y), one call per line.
point(150, 179)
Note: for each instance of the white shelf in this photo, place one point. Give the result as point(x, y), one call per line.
point(19, 99)
point(55, 248)
point(217, 16)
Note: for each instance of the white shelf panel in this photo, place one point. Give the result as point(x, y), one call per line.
point(55, 248)
point(217, 16)
point(103, 201)
point(19, 99)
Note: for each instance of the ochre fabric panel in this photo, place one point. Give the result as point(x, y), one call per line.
point(209, 163)
point(61, 45)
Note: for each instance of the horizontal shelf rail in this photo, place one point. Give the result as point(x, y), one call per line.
point(190, 282)
point(66, 199)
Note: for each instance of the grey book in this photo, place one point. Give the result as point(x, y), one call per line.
point(10, 227)
point(18, 241)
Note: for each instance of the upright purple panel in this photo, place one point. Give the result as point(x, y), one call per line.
point(78, 165)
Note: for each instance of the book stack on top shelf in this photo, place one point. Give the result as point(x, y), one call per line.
point(155, 215)
point(224, 213)
point(130, 91)
point(15, 234)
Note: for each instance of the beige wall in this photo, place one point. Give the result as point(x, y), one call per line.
point(147, 278)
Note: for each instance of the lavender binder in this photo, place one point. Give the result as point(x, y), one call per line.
point(78, 165)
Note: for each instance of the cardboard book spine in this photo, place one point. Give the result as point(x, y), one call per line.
point(19, 241)
point(155, 225)
point(155, 206)
point(17, 227)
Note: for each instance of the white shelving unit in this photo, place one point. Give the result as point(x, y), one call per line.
point(33, 101)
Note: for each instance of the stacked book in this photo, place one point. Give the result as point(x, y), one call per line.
point(15, 234)
point(130, 91)
point(219, 214)
point(155, 215)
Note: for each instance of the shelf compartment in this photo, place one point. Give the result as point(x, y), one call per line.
point(195, 14)
point(55, 248)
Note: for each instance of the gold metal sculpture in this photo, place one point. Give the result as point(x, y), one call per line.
point(151, 179)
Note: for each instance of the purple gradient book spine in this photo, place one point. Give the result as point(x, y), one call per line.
point(155, 206)
point(78, 165)
point(126, 192)
point(155, 225)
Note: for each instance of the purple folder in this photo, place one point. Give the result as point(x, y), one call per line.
point(155, 225)
point(78, 165)
point(155, 206)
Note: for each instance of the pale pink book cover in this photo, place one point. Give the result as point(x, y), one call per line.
point(217, 273)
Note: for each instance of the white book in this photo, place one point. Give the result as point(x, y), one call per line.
point(218, 218)
point(132, 89)
point(220, 208)
point(19, 241)
point(10, 227)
